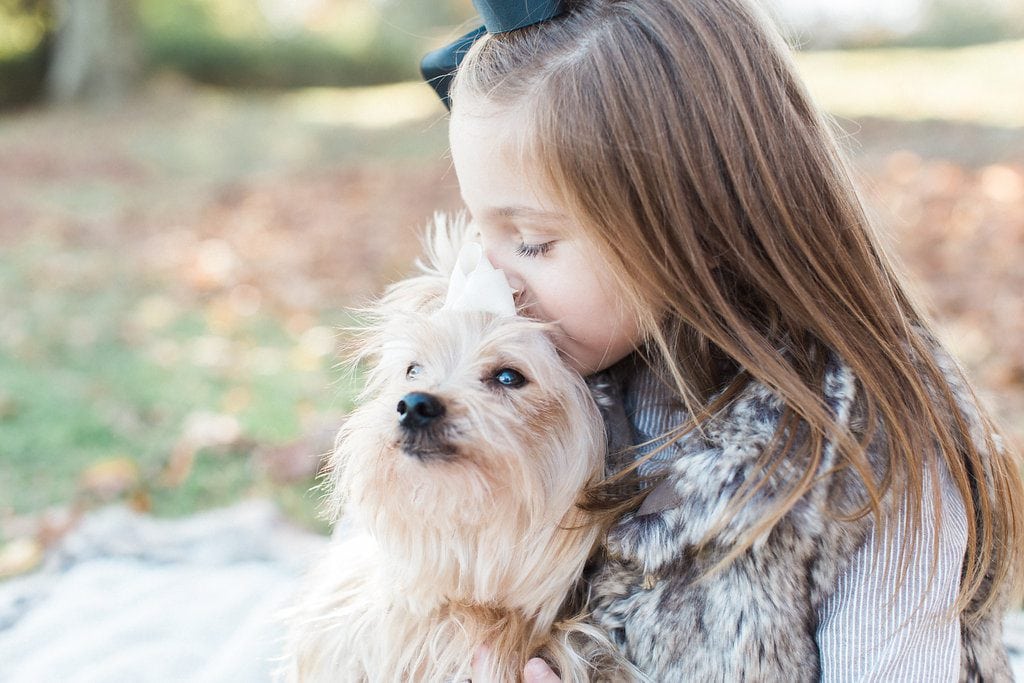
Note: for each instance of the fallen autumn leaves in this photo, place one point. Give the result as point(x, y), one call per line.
point(223, 291)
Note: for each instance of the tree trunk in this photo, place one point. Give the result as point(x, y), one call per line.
point(97, 52)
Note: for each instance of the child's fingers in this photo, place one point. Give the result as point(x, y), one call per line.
point(538, 671)
point(479, 665)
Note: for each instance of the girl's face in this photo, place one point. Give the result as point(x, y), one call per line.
point(545, 254)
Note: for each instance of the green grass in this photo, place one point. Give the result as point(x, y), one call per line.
point(82, 381)
point(80, 384)
point(84, 377)
point(980, 84)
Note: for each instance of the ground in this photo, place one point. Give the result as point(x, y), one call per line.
point(176, 274)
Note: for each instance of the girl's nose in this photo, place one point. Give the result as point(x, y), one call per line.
point(515, 281)
point(491, 254)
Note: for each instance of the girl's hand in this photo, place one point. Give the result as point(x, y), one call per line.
point(537, 670)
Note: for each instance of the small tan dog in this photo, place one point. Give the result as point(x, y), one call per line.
point(459, 478)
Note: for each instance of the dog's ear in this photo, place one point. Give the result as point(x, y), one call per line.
point(426, 290)
point(382, 322)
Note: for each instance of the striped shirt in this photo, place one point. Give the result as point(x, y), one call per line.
point(872, 628)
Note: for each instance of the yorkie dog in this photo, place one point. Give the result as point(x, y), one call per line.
point(458, 482)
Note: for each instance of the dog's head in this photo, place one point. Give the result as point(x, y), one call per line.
point(469, 420)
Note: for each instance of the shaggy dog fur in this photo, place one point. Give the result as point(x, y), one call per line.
point(458, 485)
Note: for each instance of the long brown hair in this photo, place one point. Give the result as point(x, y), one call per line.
point(680, 136)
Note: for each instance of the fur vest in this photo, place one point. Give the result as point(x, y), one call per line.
point(756, 619)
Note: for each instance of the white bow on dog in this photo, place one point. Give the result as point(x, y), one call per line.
point(476, 285)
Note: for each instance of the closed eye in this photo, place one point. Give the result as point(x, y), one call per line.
point(531, 250)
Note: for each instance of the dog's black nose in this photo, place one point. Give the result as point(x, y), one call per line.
point(417, 410)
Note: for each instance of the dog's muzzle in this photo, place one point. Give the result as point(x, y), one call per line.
point(418, 410)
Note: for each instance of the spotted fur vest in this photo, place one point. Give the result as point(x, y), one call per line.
point(756, 619)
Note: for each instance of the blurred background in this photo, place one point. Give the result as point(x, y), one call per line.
point(193, 194)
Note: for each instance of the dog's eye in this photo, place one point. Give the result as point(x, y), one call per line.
point(413, 371)
point(507, 377)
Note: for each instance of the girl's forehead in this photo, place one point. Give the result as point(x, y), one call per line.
point(500, 179)
point(477, 120)
point(495, 177)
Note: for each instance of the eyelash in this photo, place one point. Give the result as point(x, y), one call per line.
point(532, 250)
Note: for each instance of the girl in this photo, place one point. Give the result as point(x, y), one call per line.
point(820, 496)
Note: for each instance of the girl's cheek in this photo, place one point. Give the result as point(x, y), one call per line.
point(517, 285)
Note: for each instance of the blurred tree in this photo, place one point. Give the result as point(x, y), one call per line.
point(25, 41)
point(97, 54)
point(951, 23)
point(23, 24)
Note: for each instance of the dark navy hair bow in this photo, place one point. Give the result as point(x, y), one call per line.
point(438, 67)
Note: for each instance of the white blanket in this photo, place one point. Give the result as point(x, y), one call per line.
point(131, 598)
point(127, 597)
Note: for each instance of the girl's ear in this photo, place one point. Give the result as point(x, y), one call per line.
point(425, 291)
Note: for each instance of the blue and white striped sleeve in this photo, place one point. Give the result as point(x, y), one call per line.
point(873, 629)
